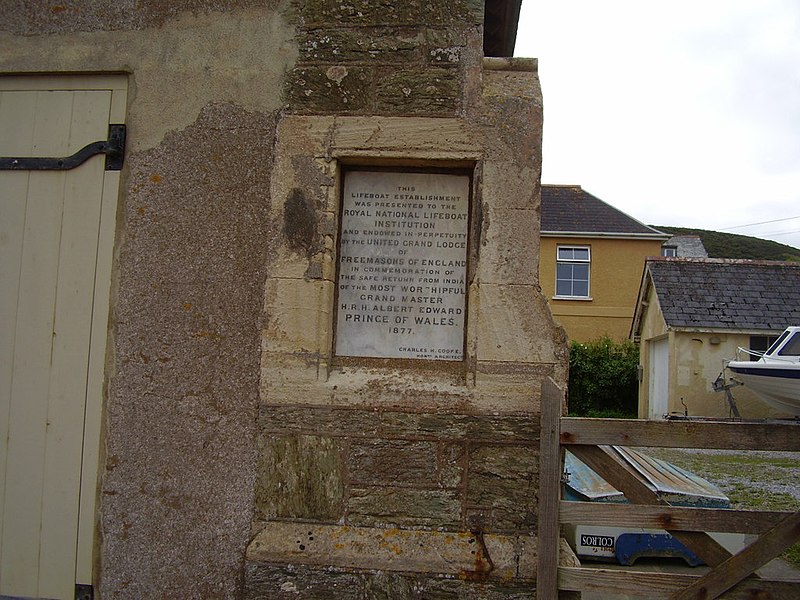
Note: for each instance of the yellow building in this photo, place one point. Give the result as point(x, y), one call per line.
point(591, 262)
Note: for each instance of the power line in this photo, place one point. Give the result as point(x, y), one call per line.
point(781, 232)
point(761, 223)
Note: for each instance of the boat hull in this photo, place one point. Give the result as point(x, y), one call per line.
point(776, 384)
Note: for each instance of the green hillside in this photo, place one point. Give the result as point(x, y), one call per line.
point(731, 245)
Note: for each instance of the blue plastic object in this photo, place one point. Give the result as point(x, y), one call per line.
point(631, 546)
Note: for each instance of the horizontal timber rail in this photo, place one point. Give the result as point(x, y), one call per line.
point(731, 576)
point(715, 435)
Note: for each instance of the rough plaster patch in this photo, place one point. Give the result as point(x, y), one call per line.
point(44, 16)
point(175, 70)
point(176, 495)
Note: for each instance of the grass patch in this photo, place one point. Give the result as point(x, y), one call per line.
point(792, 555)
point(744, 496)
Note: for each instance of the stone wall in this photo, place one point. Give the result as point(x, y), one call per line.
point(241, 457)
point(386, 468)
point(388, 58)
point(396, 478)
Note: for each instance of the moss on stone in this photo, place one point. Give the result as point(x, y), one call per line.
point(299, 477)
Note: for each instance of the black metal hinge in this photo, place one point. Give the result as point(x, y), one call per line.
point(113, 148)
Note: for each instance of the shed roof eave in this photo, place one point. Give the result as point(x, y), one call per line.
point(725, 330)
point(642, 304)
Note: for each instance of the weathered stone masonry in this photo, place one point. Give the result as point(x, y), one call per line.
point(390, 58)
point(386, 468)
point(392, 478)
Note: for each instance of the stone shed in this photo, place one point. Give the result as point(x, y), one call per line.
point(290, 342)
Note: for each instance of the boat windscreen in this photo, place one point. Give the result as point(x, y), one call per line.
point(791, 347)
point(777, 342)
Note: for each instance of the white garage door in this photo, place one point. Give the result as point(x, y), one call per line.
point(56, 241)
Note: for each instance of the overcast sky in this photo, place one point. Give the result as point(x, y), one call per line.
point(679, 113)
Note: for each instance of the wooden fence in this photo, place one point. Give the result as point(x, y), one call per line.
point(591, 440)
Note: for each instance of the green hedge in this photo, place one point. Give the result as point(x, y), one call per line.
point(602, 379)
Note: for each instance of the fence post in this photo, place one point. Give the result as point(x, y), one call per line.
point(550, 466)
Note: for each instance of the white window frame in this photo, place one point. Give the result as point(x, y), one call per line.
point(564, 258)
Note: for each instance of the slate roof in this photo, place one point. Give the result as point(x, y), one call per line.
point(726, 293)
point(687, 246)
point(571, 209)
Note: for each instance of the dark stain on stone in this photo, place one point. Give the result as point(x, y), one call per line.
point(299, 221)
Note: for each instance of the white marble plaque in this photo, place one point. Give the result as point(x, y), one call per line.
point(403, 265)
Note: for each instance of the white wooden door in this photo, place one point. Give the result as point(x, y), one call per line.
point(56, 242)
point(659, 379)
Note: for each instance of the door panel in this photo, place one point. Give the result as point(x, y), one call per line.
point(54, 226)
point(659, 379)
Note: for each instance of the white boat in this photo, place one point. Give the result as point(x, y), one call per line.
point(775, 376)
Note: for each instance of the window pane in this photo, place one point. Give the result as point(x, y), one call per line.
point(758, 343)
point(580, 272)
point(580, 288)
point(572, 279)
point(580, 254)
point(572, 271)
point(564, 271)
point(564, 279)
point(573, 253)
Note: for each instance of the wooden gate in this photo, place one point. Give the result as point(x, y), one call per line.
point(731, 576)
point(56, 246)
